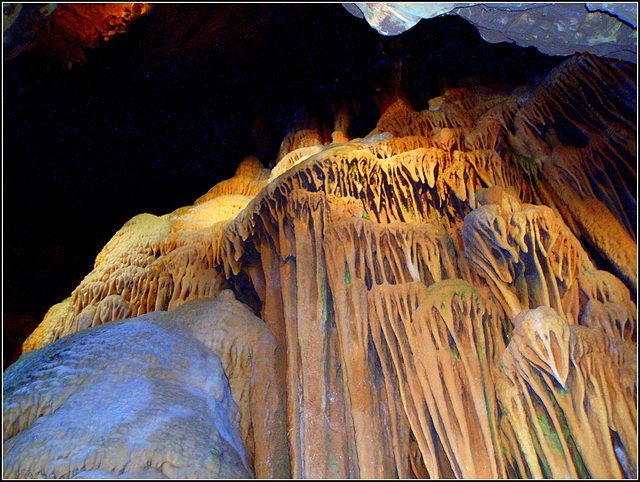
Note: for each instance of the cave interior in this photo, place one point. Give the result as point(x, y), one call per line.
point(156, 117)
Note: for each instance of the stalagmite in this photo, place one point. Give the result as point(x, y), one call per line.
point(249, 179)
point(452, 295)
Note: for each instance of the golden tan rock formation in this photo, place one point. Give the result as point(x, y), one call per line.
point(156, 263)
point(445, 342)
point(452, 295)
point(303, 131)
point(605, 303)
point(591, 176)
point(249, 179)
point(569, 409)
point(525, 253)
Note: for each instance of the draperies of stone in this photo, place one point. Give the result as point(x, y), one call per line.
point(432, 289)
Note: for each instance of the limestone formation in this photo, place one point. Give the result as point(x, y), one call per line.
point(453, 295)
point(605, 303)
point(155, 263)
point(525, 253)
point(445, 342)
point(569, 409)
point(607, 29)
point(590, 174)
point(136, 398)
point(68, 29)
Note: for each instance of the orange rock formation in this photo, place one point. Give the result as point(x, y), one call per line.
point(430, 295)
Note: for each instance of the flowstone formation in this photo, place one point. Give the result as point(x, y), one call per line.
point(142, 398)
point(451, 296)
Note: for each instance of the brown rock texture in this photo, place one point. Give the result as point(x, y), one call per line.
point(570, 407)
point(452, 295)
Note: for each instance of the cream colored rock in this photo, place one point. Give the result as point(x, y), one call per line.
point(293, 158)
point(155, 263)
point(136, 397)
point(250, 177)
point(208, 213)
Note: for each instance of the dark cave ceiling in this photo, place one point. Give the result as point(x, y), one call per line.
point(96, 132)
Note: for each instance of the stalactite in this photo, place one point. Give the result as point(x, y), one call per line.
point(434, 296)
point(565, 400)
point(591, 171)
point(454, 410)
point(528, 256)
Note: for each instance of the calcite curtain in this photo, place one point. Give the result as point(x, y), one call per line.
point(451, 296)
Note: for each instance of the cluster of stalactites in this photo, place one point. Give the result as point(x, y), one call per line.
point(429, 239)
point(155, 263)
point(340, 279)
point(338, 227)
point(412, 177)
point(568, 395)
point(578, 131)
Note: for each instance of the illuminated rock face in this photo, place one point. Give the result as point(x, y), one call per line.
point(67, 30)
point(606, 29)
point(431, 302)
point(146, 397)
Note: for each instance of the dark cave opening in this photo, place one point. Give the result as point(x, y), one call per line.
point(245, 292)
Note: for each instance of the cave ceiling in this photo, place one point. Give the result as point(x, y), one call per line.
point(64, 31)
point(607, 29)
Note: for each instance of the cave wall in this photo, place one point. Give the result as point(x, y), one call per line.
point(452, 295)
point(146, 397)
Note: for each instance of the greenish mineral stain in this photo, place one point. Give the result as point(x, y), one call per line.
point(347, 275)
point(325, 307)
point(353, 171)
point(549, 433)
point(410, 213)
point(481, 353)
point(528, 163)
point(454, 349)
point(576, 457)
